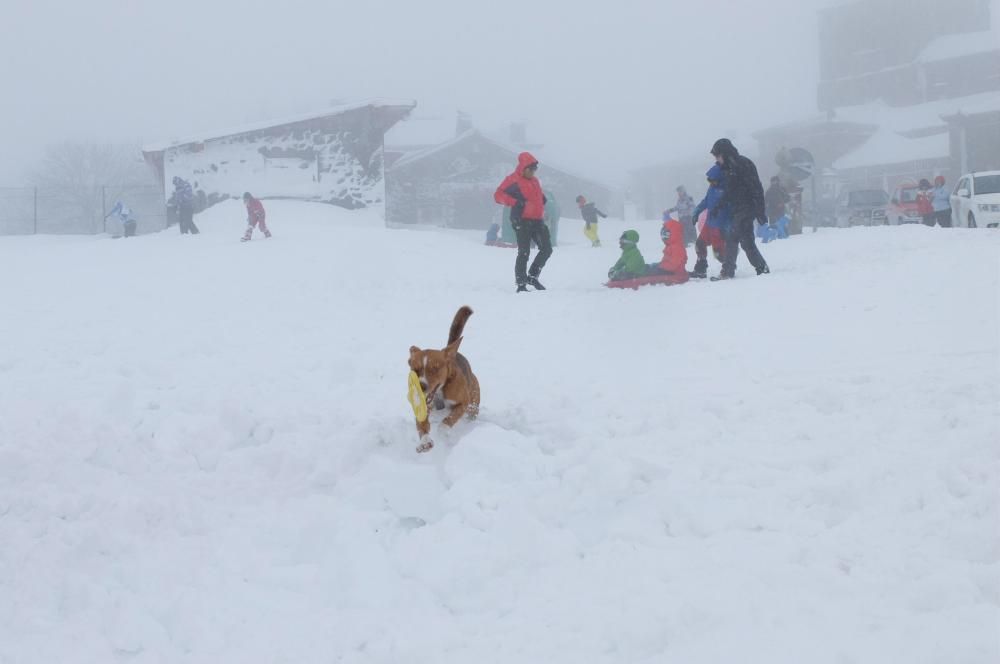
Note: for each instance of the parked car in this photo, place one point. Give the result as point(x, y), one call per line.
point(975, 202)
point(862, 207)
point(903, 208)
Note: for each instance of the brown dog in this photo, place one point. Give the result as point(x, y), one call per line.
point(447, 380)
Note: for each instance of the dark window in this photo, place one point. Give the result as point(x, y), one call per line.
point(867, 197)
point(986, 184)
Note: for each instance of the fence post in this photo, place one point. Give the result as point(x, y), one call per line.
point(34, 215)
point(104, 211)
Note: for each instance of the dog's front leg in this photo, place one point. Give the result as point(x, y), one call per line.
point(457, 411)
point(424, 429)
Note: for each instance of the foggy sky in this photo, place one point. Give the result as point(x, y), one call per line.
point(607, 85)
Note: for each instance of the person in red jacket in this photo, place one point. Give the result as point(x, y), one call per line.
point(522, 193)
point(675, 256)
point(255, 217)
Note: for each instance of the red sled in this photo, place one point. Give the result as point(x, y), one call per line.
point(502, 245)
point(652, 280)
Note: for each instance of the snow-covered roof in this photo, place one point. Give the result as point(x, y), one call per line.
point(888, 147)
point(277, 122)
point(920, 116)
point(957, 46)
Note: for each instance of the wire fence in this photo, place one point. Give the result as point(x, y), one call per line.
point(79, 210)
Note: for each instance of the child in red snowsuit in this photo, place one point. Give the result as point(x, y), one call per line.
point(255, 217)
point(674, 259)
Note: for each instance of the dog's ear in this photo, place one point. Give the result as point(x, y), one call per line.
point(451, 349)
point(414, 354)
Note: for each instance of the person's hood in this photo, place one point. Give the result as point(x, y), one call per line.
point(725, 147)
point(524, 160)
point(630, 237)
point(672, 233)
point(715, 173)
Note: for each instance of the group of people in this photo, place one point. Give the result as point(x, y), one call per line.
point(734, 202)
point(182, 201)
point(934, 203)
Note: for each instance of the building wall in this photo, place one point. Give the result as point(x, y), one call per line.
point(959, 77)
point(867, 47)
point(332, 160)
point(454, 187)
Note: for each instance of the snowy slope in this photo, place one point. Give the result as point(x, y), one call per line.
point(206, 454)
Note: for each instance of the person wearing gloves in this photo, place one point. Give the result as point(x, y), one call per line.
point(717, 226)
point(745, 196)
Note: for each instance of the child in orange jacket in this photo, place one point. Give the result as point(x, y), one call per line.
point(674, 259)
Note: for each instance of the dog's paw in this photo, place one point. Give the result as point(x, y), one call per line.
point(426, 444)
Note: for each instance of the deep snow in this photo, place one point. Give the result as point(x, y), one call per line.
point(206, 453)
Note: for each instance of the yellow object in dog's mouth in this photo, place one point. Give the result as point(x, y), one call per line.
point(418, 400)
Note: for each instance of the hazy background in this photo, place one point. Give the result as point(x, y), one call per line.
point(605, 85)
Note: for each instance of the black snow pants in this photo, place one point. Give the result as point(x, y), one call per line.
point(526, 231)
point(186, 215)
point(741, 235)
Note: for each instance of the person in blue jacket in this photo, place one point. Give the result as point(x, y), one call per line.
point(717, 225)
point(941, 200)
point(124, 215)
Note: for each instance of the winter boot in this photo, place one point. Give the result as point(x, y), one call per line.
point(700, 270)
point(535, 283)
point(763, 270)
point(723, 276)
point(521, 288)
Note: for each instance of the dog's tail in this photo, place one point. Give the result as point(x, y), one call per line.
point(458, 325)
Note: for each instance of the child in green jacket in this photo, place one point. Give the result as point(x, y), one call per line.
point(631, 264)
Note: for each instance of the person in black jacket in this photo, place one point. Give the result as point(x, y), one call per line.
point(745, 197)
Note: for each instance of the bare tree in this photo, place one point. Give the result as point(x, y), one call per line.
point(74, 180)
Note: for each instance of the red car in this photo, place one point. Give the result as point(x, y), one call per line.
point(903, 205)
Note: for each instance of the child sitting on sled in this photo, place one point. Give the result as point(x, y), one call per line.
point(631, 263)
point(674, 261)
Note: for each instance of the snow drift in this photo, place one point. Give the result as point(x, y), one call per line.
point(206, 453)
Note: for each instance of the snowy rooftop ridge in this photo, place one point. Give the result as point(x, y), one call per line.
point(921, 116)
point(265, 124)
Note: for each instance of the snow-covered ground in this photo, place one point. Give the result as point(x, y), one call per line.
point(206, 453)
